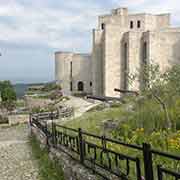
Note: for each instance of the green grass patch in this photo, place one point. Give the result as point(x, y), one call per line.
point(48, 169)
point(93, 121)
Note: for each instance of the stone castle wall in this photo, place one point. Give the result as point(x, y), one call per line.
point(119, 28)
point(106, 68)
point(73, 68)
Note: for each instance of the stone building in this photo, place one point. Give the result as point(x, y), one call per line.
point(74, 72)
point(122, 43)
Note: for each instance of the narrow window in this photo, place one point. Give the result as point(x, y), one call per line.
point(71, 69)
point(131, 24)
point(125, 67)
point(90, 84)
point(138, 24)
point(102, 26)
point(145, 53)
point(71, 86)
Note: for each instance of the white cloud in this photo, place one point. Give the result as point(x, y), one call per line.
point(44, 25)
point(49, 26)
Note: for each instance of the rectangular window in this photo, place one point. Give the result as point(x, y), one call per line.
point(131, 24)
point(138, 24)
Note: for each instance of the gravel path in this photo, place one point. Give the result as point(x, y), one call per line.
point(16, 162)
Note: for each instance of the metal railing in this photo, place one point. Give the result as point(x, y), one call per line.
point(103, 155)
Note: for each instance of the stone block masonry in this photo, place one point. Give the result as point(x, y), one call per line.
point(122, 43)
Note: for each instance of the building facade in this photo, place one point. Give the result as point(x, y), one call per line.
point(122, 44)
point(73, 72)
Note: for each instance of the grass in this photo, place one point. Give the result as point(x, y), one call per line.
point(48, 169)
point(142, 123)
point(93, 121)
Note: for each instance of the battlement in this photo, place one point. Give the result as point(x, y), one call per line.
point(120, 11)
point(134, 21)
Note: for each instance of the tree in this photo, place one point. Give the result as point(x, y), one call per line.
point(163, 87)
point(8, 95)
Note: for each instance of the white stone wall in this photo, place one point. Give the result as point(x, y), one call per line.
point(62, 69)
point(164, 48)
point(106, 68)
point(97, 62)
point(81, 71)
point(108, 47)
point(112, 59)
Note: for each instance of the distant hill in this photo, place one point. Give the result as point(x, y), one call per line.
point(21, 88)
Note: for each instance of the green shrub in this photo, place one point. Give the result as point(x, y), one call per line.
point(48, 169)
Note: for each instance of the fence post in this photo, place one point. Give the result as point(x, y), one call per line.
point(148, 164)
point(81, 151)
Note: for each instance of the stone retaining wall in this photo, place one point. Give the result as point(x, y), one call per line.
point(18, 119)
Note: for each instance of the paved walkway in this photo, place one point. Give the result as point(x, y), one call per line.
point(16, 161)
point(80, 105)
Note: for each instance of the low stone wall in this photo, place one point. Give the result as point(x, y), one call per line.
point(72, 169)
point(18, 119)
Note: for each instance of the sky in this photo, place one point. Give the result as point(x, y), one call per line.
point(32, 30)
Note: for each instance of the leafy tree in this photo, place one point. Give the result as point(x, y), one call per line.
point(8, 95)
point(163, 87)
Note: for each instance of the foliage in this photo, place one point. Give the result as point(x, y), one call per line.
point(51, 86)
point(8, 95)
point(144, 118)
point(48, 169)
point(164, 88)
point(93, 121)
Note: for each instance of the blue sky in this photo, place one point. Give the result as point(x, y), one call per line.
point(32, 30)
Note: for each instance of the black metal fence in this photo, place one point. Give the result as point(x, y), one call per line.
point(103, 155)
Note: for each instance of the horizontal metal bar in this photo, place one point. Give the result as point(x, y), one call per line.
point(125, 144)
point(64, 127)
point(113, 141)
point(167, 171)
point(165, 154)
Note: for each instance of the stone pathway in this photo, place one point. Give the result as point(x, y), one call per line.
point(16, 162)
point(80, 105)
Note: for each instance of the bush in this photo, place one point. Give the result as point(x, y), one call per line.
point(48, 169)
point(51, 86)
point(8, 95)
point(3, 120)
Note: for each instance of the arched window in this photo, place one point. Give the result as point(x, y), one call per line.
point(102, 26)
point(125, 67)
point(138, 24)
point(131, 24)
point(80, 86)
